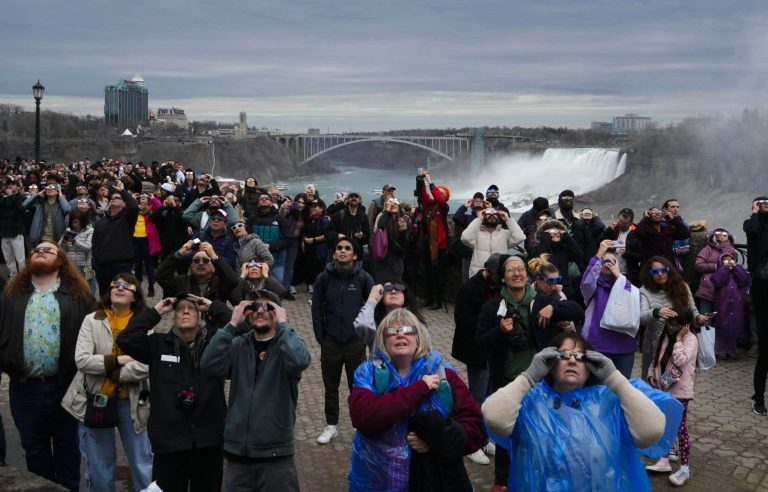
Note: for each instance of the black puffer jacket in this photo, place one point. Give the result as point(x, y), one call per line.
point(113, 235)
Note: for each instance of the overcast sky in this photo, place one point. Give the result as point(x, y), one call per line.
point(377, 65)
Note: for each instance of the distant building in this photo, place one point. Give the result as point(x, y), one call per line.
point(169, 116)
point(630, 123)
point(126, 103)
point(313, 131)
point(241, 129)
point(602, 126)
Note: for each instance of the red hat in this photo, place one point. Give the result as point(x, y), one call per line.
point(446, 191)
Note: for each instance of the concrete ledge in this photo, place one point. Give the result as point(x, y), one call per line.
point(15, 480)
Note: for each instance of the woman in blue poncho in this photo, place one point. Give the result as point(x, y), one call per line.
point(564, 432)
point(414, 416)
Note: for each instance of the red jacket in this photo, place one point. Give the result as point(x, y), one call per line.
point(372, 414)
point(427, 202)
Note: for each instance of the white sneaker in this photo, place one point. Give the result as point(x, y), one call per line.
point(310, 289)
point(479, 457)
point(679, 477)
point(329, 433)
point(661, 466)
point(490, 448)
point(293, 290)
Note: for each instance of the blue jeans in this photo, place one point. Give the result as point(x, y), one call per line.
point(479, 381)
point(623, 363)
point(48, 433)
point(100, 454)
point(290, 259)
point(277, 272)
point(91, 282)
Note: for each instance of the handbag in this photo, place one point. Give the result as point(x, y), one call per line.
point(670, 376)
point(622, 311)
point(380, 244)
point(100, 409)
point(706, 355)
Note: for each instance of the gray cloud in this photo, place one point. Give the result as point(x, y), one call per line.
point(377, 65)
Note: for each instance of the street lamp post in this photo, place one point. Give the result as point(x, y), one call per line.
point(212, 143)
point(37, 92)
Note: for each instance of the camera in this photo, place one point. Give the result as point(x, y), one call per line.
point(187, 398)
point(196, 243)
point(518, 342)
point(514, 315)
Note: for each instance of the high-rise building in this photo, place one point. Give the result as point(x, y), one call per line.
point(126, 103)
point(241, 129)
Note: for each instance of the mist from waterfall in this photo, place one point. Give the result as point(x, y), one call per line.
point(522, 177)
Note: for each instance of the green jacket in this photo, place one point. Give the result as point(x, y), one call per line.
point(262, 408)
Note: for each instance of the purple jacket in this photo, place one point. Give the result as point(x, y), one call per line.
point(730, 287)
point(707, 262)
point(596, 288)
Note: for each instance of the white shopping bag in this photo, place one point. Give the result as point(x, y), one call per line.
point(622, 312)
point(706, 355)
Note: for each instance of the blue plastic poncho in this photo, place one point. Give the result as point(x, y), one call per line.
point(580, 440)
point(381, 464)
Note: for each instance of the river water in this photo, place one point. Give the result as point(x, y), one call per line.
point(521, 177)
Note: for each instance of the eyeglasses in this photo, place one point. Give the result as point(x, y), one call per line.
point(551, 280)
point(399, 330)
point(579, 356)
point(342, 247)
point(204, 261)
point(83, 201)
point(658, 271)
point(238, 226)
point(394, 287)
point(123, 286)
point(514, 270)
point(46, 250)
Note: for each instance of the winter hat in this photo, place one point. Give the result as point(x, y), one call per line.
point(478, 196)
point(565, 193)
point(540, 203)
point(446, 191)
point(492, 189)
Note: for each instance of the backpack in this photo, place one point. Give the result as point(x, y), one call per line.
point(381, 382)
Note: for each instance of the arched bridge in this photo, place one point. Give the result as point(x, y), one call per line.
point(307, 147)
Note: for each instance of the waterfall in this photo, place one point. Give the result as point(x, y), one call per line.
point(522, 177)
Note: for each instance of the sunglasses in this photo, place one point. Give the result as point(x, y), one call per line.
point(761, 202)
point(394, 287)
point(50, 187)
point(82, 201)
point(609, 262)
point(238, 226)
point(490, 213)
point(123, 286)
point(264, 306)
point(721, 234)
point(658, 271)
point(254, 264)
point(576, 355)
point(46, 250)
point(656, 211)
point(116, 197)
point(551, 280)
point(265, 199)
point(343, 248)
point(218, 218)
point(204, 261)
point(399, 330)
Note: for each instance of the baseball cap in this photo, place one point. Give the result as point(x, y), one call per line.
point(256, 294)
point(478, 196)
point(492, 189)
point(353, 193)
point(388, 187)
point(627, 211)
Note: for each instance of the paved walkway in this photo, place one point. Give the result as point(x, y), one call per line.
point(730, 443)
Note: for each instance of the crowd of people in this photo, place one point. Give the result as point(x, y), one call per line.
point(549, 313)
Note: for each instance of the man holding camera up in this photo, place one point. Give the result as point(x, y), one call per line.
point(12, 227)
point(209, 276)
point(503, 331)
point(186, 424)
point(264, 357)
point(113, 237)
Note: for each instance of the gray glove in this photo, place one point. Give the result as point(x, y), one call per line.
point(599, 365)
point(541, 364)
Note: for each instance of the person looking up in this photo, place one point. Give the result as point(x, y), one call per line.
point(340, 290)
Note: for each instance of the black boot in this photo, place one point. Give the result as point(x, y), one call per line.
point(435, 306)
point(151, 291)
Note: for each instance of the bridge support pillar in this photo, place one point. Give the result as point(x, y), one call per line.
point(477, 158)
